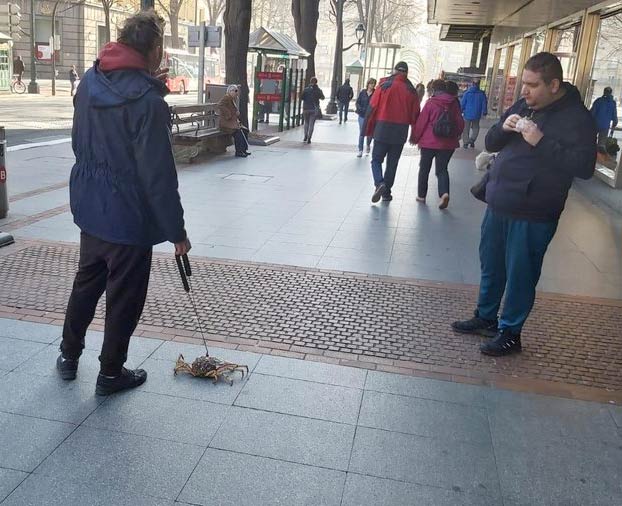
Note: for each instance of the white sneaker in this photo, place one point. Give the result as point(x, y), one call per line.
point(360, 154)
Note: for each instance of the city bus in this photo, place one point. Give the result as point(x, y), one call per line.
point(184, 70)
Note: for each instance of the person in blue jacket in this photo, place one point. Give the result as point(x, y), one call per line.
point(543, 142)
point(362, 106)
point(605, 113)
point(474, 106)
point(123, 195)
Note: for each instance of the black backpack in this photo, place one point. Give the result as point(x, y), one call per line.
point(444, 125)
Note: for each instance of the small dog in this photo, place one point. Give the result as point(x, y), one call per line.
point(484, 160)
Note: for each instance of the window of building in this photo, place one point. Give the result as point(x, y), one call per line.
point(102, 36)
point(565, 46)
point(497, 83)
point(538, 42)
point(512, 80)
point(43, 34)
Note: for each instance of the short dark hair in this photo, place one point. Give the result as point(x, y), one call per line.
point(452, 88)
point(142, 31)
point(547, 65)
point(438, 85)
point(607, 90)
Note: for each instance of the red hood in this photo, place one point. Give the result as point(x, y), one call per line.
point(117, 56)
point(443, 98)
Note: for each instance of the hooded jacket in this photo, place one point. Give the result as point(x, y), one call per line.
point(605, 112)
point(311, 97)
point(531, 183)
point(431, 112)
point(474, 104)
point(123, 186)
point(393, 107)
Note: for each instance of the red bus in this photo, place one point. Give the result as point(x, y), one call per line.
point(184, 70)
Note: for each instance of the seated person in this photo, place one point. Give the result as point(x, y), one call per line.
point(230, 120)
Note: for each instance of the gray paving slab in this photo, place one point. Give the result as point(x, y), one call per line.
point(44, 363)
point(424, 388)
point(362, 489)
point(616, 412)
point(29, 331)
point(123, 462)
point(424, 417)
point(38, 490)
point(569, 472)
point(302, 398)
point(14, 352)
point(25, 441)
point(425, 461)
point(161, 416)
point(161, 380)
point(286, 437)
point(527, 417)
point(9, 480)
point(47, 397)
point(140, 347)
point(233, 479)
point(311, 371)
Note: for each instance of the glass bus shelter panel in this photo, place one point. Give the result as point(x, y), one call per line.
point(538, 42)
point(565, 47)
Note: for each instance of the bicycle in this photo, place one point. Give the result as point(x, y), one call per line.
point(17, 85)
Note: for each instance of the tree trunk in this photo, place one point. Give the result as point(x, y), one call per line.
point(306, 14)
point(237, 21)
point(106, 7)
point(174, 19)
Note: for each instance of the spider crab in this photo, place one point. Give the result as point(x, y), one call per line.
point(209, 367)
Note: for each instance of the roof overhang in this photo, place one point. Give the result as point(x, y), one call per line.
point(464, 33)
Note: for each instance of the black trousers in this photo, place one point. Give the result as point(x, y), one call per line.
point(425, 164)
point(392, 152)
point(123, 273)
point(239, 139)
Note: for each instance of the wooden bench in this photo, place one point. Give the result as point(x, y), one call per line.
point(196, 130)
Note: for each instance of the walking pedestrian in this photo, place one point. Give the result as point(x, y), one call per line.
point(230, 120)
point(544, 141)
point(73, 79)
point(437, 132)
point(394, 107)
point(345, 94)
point(605, 112)
point(311, 97)
point(420, 92)
point(124, 196)
point(362, 106)
point(474, 106)
point(18, 68)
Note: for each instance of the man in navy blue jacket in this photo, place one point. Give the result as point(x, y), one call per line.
point(543, 141)
point(123, 193)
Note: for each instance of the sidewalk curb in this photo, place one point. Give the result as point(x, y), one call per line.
point(21, 147)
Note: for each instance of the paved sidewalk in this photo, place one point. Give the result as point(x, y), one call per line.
point(294, 432)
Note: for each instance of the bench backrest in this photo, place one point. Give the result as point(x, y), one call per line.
point(199, 116)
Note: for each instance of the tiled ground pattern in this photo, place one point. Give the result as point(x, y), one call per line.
point(570, 340)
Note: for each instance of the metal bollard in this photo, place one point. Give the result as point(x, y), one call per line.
point(4, 198)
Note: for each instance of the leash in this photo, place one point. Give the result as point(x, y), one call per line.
point(183, 265)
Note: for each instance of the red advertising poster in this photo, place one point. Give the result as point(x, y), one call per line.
point(268, 97)
point(277, 76)
point(510, 88)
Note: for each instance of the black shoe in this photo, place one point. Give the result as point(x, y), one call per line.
point(505, 342)
point(67, 367)
point(387, 197)
point(473, 145)
point(379, 192)
point(304, 140)
point(309, 140)
point(466, 145)
point(241, 155)
point(248, 153)
point(107, 385)
point(340, 122)
point(476, 325)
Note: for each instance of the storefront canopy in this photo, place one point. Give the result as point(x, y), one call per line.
point(270, 41)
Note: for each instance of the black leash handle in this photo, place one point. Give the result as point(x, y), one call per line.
point(184, 270)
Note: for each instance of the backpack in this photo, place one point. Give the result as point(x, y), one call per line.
point(444, 125)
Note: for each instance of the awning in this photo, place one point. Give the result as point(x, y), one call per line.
point(264, 39)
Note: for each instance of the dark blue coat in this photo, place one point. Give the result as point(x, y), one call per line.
point(123, 185)
point(362, 103)
point(311, 97)
point(605, 112)
point(474, 104)
point(532, 183)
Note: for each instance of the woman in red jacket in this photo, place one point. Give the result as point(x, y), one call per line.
point(437, 132)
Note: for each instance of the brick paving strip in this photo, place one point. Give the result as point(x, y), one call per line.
point(572, 345)
point(38, 191)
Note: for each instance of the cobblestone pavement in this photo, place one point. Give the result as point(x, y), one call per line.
point(364, 319)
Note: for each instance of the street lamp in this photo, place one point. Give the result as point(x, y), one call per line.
point(359, 32)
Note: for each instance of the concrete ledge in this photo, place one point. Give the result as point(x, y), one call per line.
point(6, 239)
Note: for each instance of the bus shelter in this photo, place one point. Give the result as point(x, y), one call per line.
point(354, 72)
point(279, 77)
point(380, 58)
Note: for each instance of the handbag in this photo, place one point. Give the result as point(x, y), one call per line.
point(478, 190)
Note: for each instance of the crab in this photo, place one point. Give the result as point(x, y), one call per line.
point(209, 367)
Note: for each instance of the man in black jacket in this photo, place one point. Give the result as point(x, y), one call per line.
point(123, 193)
point(543, 141)
point(345, 94)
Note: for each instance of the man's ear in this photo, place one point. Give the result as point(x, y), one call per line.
point(556, 85)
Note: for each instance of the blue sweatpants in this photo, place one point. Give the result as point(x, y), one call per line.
point(511, 254)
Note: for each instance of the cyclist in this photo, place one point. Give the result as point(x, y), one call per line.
point(18, 68)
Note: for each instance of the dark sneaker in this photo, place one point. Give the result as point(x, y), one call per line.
point(309, 140)
point(304, 140)
point(379, 192)
point(476, 325)
point(466, 146)
point(387, 197)
point(473, 145)
point(107, 385)
point(67, 367)
point(504, 343)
